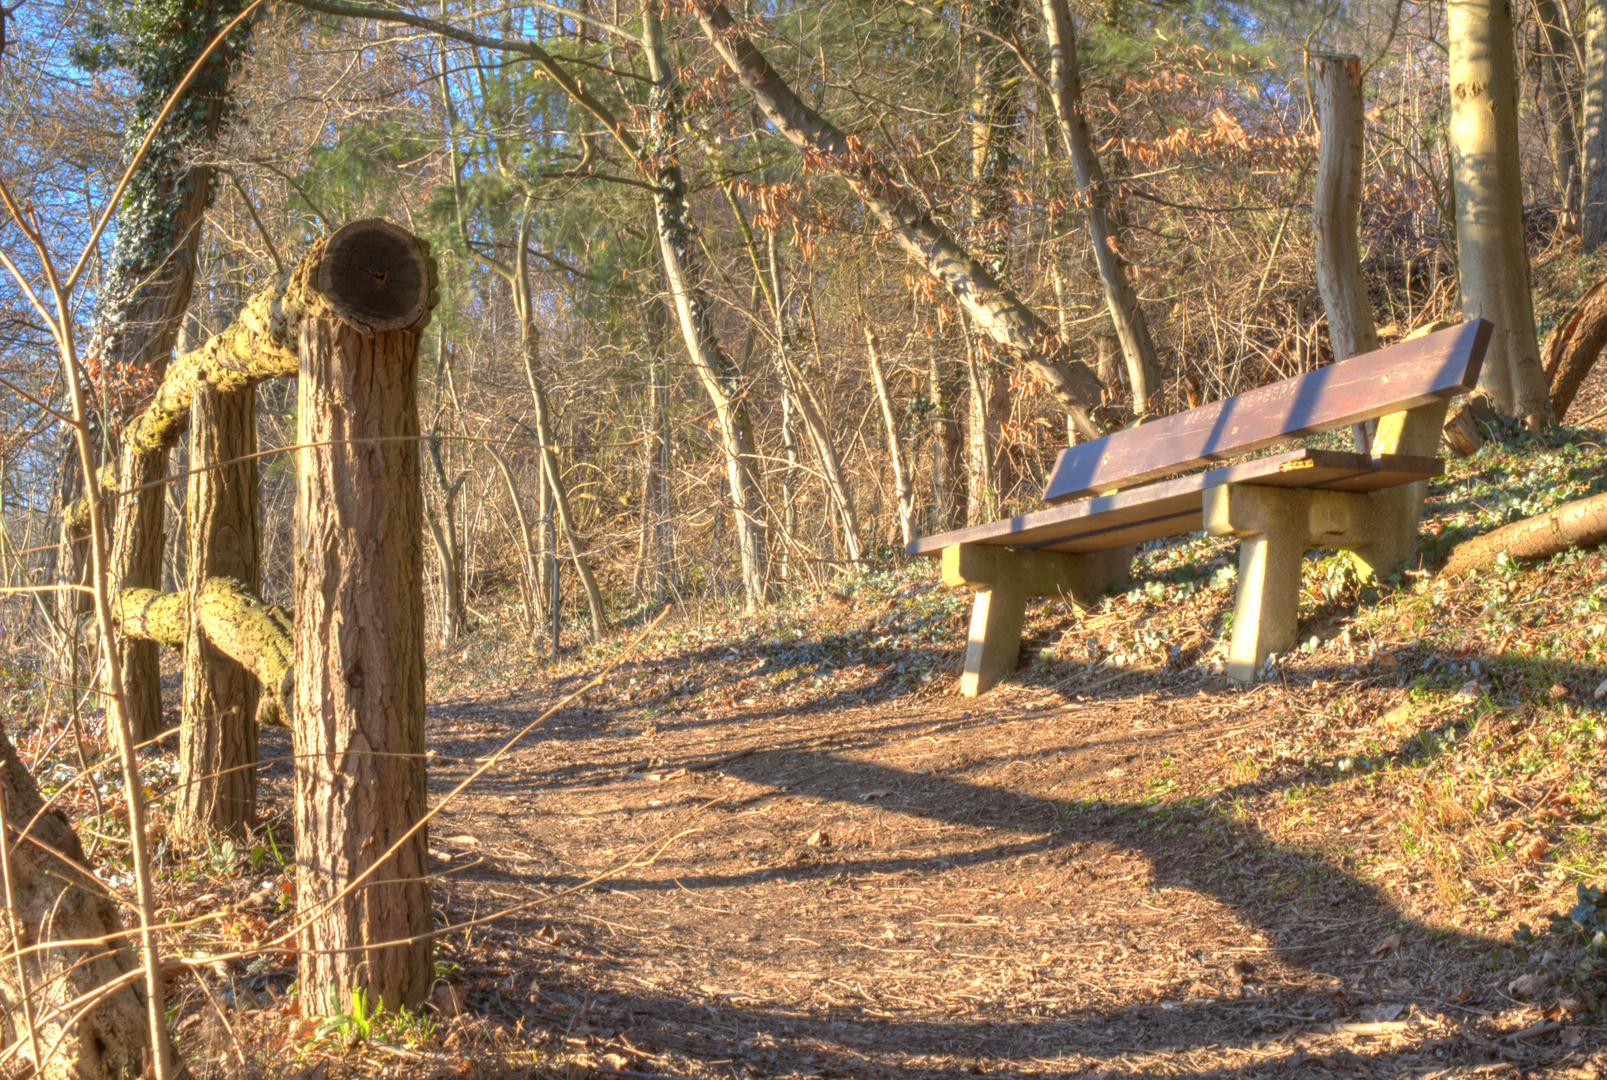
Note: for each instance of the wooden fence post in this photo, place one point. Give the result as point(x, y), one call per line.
point(359, 624)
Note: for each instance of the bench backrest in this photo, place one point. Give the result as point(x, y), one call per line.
point(1403, 376)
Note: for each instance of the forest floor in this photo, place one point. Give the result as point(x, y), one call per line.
point(783, 846)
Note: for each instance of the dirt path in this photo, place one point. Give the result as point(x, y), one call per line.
point(1032, 885)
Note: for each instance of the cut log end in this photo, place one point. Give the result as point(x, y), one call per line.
point(376, 276)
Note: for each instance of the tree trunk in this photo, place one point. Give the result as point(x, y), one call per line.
point(359, 589)
point(948, 498)
point(79, 945)
point(137, 564)
point(1593, 157)
point(147, 291)
point(560, 492)
point(443, 524)
point(1573, 348)
point(1489, 203)
point(794, 381)
point(795, 387)
point(983, 504)
point(995, 117)
point(1337, 214)
point(902, 488)
point(1573, 524)
point(1138, 348)
point(259, 344)
point(996, 310)
point(218, 736)
point(72, 558)
point(1562, 107)
point(649, 576)
point(721, 379)
point(528, 558)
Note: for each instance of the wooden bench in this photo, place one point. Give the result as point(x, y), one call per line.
point(1111, 497)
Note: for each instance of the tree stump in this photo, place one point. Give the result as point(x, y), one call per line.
point(218, 737)
point(359, 623)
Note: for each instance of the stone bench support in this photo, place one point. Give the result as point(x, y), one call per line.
point(1003, 579)
point(1277, 526)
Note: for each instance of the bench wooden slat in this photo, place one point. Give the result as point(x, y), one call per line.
point(1403, 376)
point(1173, 506)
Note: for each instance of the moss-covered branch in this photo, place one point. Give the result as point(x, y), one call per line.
point(256, 635)
point(153, 616)
point(260, 344)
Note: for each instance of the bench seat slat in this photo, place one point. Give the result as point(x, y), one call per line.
point(1412, 373)
point(1172, 507)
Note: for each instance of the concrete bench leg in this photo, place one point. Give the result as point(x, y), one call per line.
point(1276, 527)
point(1004, 578)
point(1397, 512)
point(1266, 609)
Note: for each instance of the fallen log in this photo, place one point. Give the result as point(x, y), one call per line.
point(1573, 524)
point(55, 901)
point(256, 635)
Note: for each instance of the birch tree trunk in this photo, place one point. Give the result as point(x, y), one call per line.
point(218, 736)
point(1489, 203)
point(902, 488)
point(359, 589)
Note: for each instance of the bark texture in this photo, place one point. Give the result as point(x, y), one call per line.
point(160, 617)
point(1573, 346)
point(1065, 79)
point(994, 309)
point(55, 899)
point(1337, 209)
point(359, 712)
point(218, 736)
point(1573, 524)
point(259, 344)
point(151, 282)
point(1489, 202)
point(1593, 124)
point(1337, 213)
